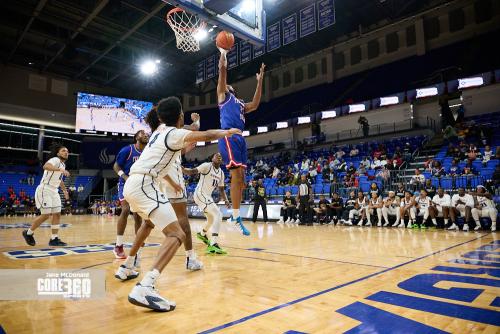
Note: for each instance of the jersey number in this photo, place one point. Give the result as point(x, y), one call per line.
point(152, 141)
point(215, 183)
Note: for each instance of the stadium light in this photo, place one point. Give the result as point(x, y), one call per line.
point(149, 67)
point(200, 34)
point(389, 100)
point(425, 92)
point(304, 120)
point(356, 108)
point(470, 82)
point(328, 114)
point(281, 125)
point(262, 129)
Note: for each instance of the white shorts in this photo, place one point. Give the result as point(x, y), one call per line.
point(392, 211)
point(47, 199)
point(461, 209)
point(439, 210)
point(145, 198)
point(172, 195)
point(203, 201)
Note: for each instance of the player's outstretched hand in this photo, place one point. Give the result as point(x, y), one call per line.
point(260, 75)
point(195, 117)
point(234, 131)
point(65, 173)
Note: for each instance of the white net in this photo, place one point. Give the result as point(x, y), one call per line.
point(187, 29)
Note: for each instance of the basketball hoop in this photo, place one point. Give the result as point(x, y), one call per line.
point(185, 27)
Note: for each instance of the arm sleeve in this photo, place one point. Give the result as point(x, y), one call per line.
point(175, 139)
point(121, 157)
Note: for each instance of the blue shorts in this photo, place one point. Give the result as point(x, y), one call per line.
point(234, 151)
point(120, 190)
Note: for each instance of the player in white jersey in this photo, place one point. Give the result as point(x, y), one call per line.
point(421, 207)
point(211, 178)
point(462, 204)
point(406, 206)
point(359, 209)
point(47, 196)
point(142, 192)
point(391, 208)
point(440, 206)
point(173, 186)
point(484, 207)
point(375, 205)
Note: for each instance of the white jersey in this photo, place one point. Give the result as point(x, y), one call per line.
point(444, 201)
point(467, 199)
point(52, 178)
point(484, 202)
point(210, 179)
point(406, 202)
point(362, 203)
point(376, 201)
point(161, 152)
point(423, 202)
point(393, 201)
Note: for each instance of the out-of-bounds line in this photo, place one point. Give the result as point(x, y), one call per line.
point(275, 308)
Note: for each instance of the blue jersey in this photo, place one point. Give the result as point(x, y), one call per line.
point(232, 113)
point(126, 158)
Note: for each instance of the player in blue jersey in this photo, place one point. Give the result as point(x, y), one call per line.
point(124, 160)
point(234, 149)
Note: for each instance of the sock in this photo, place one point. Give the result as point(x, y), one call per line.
point(191, 254)
point(53, 236)
point(434, 221)
point(204, 233)
point(150, 278)
point(215, 239)
point(129, 262)
point(119, 240)
point(236, 213)
point(30, 231)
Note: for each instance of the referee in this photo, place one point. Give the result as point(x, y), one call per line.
point(259, 200)
point(305, 199)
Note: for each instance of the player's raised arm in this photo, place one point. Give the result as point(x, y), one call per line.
point(190, 171)
point(209, 135)
point(222, 82)
point(195, 126)
point(254, 104)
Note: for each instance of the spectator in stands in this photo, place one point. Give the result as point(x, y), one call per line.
point(288, 209)
point(377, 153)
point(354, 152)
point(488, 153)
point(366, 163)
point(400, 192)
point(407, 151)
point(383, 175)
point(361, 170)
point(449, 133)
point(10, 190)
point(342, 166)
point(428, 164)
point(260, 199)
point(336, 208)
point(374, 189)
point(322, 210)
point(418, 179)
point(454, 169)
point(80, 188)
point(376, 164)
point(395, 162)
point(472, 153)
point(340, 154)
point(429, 188)
point(469, 169)
point(312, 174)
point(351, 170)
point(326, 172)
point(438, 169)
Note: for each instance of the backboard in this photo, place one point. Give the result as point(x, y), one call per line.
point(244, 18)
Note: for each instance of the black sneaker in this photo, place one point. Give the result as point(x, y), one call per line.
point(57, 242)
point(30, 240)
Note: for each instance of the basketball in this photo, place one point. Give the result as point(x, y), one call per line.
point(225, 40)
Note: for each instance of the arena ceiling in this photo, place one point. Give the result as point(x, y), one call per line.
point(103, 41)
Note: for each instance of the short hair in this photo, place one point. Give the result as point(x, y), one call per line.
point(55, 148)
point(169, 110)
point(137, 135)
point(152, 119)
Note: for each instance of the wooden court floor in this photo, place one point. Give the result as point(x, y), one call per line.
point(281, 279)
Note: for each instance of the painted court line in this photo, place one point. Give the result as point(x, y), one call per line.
point(275, 308)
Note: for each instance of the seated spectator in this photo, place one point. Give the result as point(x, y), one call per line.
point(438, 169)
point(395, 162)
point(472, 153)
point(407, 152)
point(376, 164)
point(336, 208)
point(366, 163)
point(341, 167)
point(374, 189)
point(383, 161)
point(488, 153)
point(326, 172)
point(469, 169)
point(313, 173)
point(354, 152)
point(454, 169)
point(383, 175)
point(429, 188)
point(322, 210)
point(428, 165)
point(351, 170)
point(340, 154)
point(400, 192)
point(418, 179)
point(377, 153)
point(361, 170)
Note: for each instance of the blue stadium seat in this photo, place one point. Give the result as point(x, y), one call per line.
point(318, 188)
point(295, 190)
point(364, 186)
point(326, 188)
point(446, 182)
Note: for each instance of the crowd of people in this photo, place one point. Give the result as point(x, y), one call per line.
point(105, 208)
point(12, 203)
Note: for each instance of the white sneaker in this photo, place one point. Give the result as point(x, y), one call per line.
point(332, 222)
point(453, 227)
point(148, 296)
point(193, 264)
point(360, 223)
point(124, 274)
point(281, 221)
point(137, 261)
point(369, 225)
point(378, 225)
point(493, 227)
point(348, 223)
point(409, 224)
point(297, 222)
point(402, 224)
point(465, 228)
point(477, 227)
point(386, 224)
point(288, 221)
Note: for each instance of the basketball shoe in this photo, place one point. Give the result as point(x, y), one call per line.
point(148, 297)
